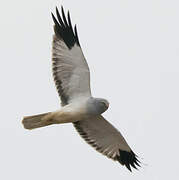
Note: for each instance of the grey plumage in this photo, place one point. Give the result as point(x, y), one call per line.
point(96, 106)
point(72, 78)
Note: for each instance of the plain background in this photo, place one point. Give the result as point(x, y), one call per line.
point(132, 48)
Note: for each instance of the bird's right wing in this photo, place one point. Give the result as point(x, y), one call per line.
point(70, 69)
point(106, 139)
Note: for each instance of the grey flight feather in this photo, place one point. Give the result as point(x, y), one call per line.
point(106, 139)
point(70, 69)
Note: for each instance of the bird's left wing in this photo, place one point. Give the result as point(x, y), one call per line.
point(70, 69)
point(106, 139)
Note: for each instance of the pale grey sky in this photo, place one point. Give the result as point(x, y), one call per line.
point(132, 48)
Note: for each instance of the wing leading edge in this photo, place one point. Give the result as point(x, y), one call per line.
point(70, 69)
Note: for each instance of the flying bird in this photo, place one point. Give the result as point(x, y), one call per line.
point(72, 78)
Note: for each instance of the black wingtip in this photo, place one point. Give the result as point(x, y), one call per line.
point(128, 159)
point(62, 7)
point(76, 35)
point(64, 30)
point(54, 19)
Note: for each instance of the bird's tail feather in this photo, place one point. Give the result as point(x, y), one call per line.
point(36, 121)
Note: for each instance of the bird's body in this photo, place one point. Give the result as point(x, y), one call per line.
point(75, 111)
point(72, 78)
point(80, 109)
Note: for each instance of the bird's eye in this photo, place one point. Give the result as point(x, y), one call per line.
point(104, 104)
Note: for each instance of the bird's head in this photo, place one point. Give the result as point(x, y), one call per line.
point(97, 105)
point(103, 103)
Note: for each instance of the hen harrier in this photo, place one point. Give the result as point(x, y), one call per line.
point(72, 79)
